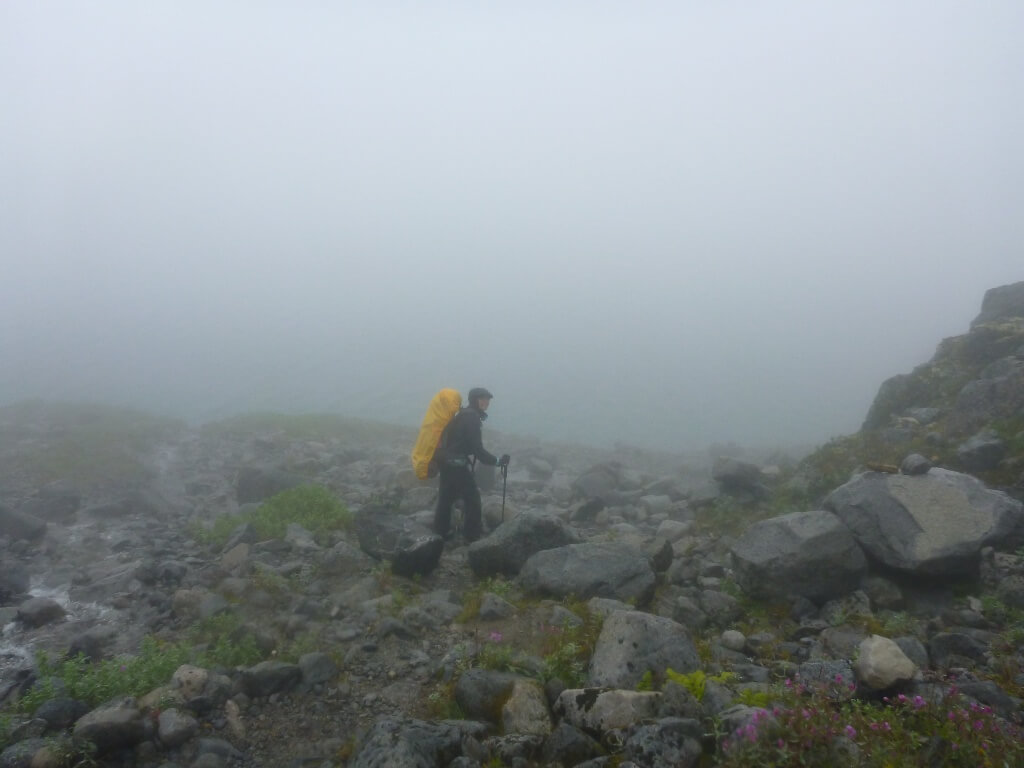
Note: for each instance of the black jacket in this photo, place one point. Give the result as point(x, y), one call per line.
point(465, 437)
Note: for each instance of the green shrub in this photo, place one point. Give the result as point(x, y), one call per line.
point(567, 649)
point(567, 663)
point(96, 682)
point(313, 507)
point(220, 641)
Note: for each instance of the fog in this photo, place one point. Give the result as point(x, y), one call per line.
point(663, 223)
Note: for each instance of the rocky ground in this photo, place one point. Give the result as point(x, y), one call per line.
point(117, 554)
point(888, 562)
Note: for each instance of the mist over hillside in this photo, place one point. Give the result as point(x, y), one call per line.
point(667, 226)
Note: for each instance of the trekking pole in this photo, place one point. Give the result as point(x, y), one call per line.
point(504, 486)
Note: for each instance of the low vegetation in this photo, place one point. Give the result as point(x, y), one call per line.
point(96, 682)
point(218, 642)
point(313, 507)
point(824, 725)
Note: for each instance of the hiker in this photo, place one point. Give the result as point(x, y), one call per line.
point(462, 448)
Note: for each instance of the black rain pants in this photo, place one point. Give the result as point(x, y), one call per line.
point(458, 483)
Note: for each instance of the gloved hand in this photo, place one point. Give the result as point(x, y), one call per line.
point(504, 460)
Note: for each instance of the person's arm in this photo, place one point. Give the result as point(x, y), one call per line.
point(477, 441)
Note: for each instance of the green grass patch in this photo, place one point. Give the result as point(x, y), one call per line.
point(313, 507)
point(219, 642)
point(96, 682)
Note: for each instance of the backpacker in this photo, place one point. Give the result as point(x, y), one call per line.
point(444, 405)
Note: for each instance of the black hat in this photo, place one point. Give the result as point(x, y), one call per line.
point(478, 392)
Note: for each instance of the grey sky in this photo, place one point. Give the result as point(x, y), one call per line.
point(667, 223)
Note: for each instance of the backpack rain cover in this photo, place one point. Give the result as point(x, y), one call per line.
point(442, 408)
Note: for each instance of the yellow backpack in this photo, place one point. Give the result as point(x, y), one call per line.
point(442, 408)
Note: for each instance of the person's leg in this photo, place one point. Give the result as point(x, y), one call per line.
point(472, 527)
point(446, 495)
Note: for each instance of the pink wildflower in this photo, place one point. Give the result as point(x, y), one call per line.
point(495, 637)
point(850, 732)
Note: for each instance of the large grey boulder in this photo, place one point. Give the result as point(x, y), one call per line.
point(810, 554)
point(113, 725)
point(632, 643)
point(932, 525)
point(39, 611)
point(402, 742)
point(598, 569)
point(733, 474)
point(983, 451)
point(671, 742)
point(984, 401)
point(410, 547)
point(596, 710)
point(511, 544)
